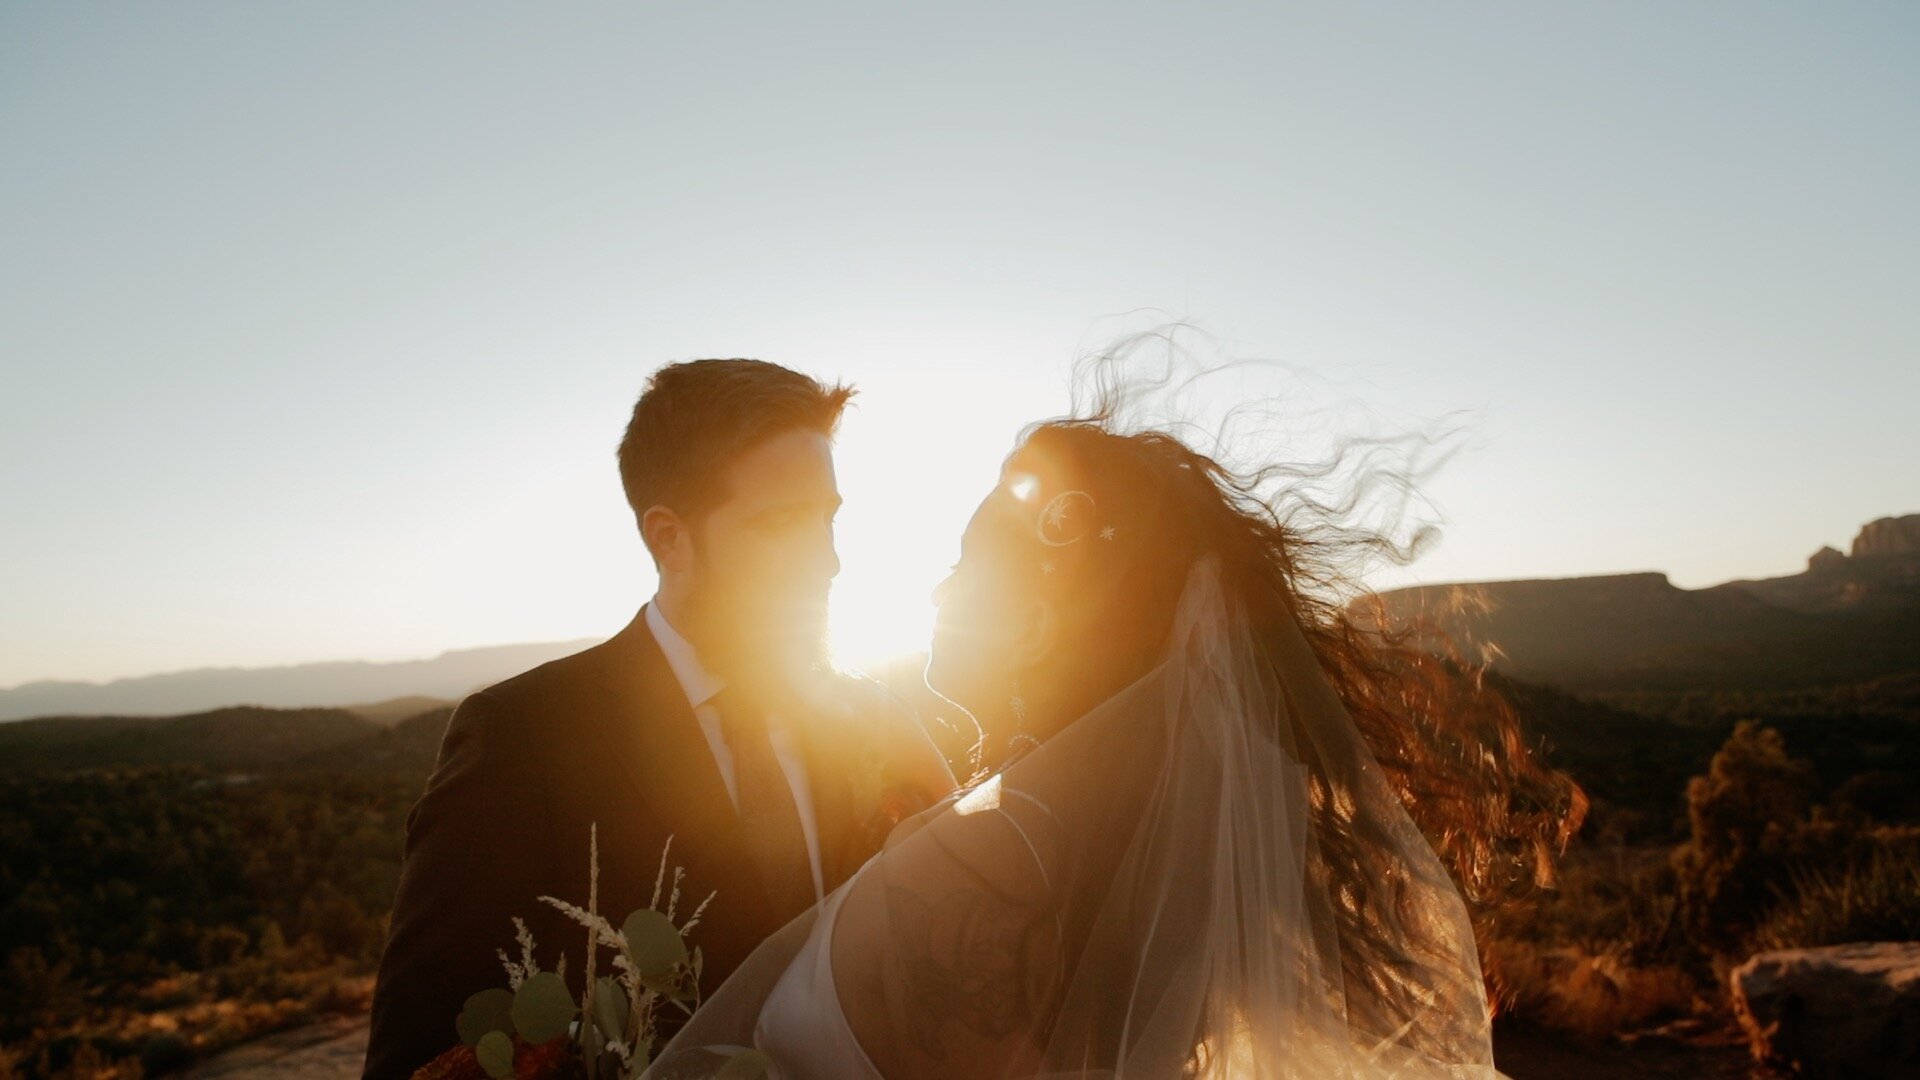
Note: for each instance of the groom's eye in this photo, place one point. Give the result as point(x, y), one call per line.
point(791, 517)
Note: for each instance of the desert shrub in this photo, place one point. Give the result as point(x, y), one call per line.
point(1749, 831)
point(1875, 898)
point(36, 991)
point(221, 945)
point(1607, 895)
point(1592, 993)
point(164, 1053)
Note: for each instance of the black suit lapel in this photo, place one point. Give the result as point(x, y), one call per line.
point(660, 747)
point(653, 741)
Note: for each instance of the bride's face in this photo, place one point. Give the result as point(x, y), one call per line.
point(986, 629)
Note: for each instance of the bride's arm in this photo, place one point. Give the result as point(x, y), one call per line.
point(945, 956)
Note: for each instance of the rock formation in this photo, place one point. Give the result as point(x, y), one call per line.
point(1828, 560)
point(1889, 536)
point(1844, 1010)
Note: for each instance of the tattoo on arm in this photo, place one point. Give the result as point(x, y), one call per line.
point(969, 957)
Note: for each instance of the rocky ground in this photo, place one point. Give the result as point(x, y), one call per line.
point(333, 1050)
point(1532, 1054)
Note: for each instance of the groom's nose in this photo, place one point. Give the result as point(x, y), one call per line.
point(823, 556)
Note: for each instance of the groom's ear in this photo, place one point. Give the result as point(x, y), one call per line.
point(1038, 634)
point(668, 539)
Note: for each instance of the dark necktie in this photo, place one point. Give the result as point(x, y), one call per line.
point(768, 815)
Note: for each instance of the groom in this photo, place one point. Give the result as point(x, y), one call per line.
point(691, 723)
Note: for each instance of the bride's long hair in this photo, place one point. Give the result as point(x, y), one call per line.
point(1291, 548)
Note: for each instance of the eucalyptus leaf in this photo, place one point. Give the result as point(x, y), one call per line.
point(609, 1008)
point(542, 1008)
point(654, 942)
point(751, 1065)
point(488, 1010)
point(495, 1052)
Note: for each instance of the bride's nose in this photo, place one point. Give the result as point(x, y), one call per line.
point(939, 596)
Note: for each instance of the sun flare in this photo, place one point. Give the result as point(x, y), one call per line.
point(876, 618)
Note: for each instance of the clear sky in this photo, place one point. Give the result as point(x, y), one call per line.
point(319, 325)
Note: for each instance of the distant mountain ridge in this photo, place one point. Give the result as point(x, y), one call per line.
point(243, 738)
point(448, 676)
point(1881, 571)
point(1846, 618)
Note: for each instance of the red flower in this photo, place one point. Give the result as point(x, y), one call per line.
point(897, 804)
point(552, 1060)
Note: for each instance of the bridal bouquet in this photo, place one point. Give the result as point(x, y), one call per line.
point(535, 1029)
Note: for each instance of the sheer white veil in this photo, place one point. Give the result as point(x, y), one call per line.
point(1162, 889)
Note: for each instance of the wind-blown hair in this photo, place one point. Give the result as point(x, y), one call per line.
point(1450, 745)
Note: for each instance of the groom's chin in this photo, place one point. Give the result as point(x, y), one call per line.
point(765, 658)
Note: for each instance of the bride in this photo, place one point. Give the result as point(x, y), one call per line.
point(1192, 852)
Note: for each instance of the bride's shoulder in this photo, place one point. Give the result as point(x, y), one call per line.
point(1001, 835)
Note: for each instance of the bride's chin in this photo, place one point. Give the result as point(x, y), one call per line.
point(932, 675)
point(938, 678)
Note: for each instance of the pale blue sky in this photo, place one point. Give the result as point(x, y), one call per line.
point(319, 325)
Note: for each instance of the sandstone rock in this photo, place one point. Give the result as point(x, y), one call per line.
point(1844, 1010)
point(1889, 536)
point(1826, 560)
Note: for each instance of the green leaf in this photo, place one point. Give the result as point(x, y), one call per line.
point(654, 942)
point(751, 1065)
point(488, 1010)
point(665, 982)
point(542, 1008)
point(495, 1052)
point(609, 1008)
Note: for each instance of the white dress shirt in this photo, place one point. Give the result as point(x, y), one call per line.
point(700, 686)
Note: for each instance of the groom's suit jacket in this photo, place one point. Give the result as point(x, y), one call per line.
point(603, 736)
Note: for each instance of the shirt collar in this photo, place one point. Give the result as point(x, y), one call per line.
point(699, 684)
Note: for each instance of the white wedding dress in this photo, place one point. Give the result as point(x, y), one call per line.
point(801, 1026)
point(1166, 888)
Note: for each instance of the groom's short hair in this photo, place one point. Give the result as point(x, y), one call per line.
point(694, 418)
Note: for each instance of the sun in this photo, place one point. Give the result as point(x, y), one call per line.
point(910, 488)
point(881, 608)
point(879, 615)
